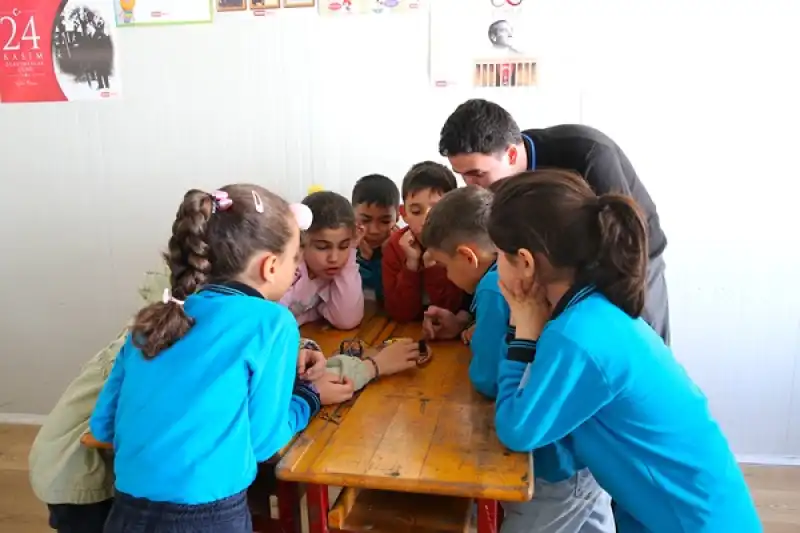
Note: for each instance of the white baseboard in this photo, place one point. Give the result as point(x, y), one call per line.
point(24, 419)
point(768, 460)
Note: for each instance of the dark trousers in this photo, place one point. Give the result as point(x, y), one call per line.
point(139, 515)
point(70, 518)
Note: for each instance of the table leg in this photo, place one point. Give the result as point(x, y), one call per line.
point(288, 507)
point(487, 516)
point(317, 502)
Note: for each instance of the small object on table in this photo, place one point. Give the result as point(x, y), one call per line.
point(425, 354)
point(352, 347)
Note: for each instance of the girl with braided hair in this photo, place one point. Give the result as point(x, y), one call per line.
point(208, 382)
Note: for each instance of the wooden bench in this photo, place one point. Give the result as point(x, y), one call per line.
point(380, 511)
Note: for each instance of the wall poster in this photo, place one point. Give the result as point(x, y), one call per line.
point(58, 51)
point(160, 12)
point(483, 43)
point(366, 7)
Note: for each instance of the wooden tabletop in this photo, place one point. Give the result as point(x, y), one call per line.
point(424, 431)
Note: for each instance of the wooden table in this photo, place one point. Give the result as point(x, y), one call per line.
point(425, 431)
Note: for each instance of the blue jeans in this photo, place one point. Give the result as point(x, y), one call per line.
point(575, 505)
point(139, 515)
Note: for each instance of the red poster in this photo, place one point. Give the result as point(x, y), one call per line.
point(58, 51)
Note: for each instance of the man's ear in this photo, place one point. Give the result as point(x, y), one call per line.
point(469, 254)
point(513, 154)
point(269, 268)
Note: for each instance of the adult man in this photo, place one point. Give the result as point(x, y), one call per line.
point(484, 144)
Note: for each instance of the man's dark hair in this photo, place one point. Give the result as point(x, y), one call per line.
point(460, 216)
point(478, 127)
point(376, 189)
point(428, 175)
point(330, 211)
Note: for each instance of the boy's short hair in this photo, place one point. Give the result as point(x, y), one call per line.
point(428, 175)
point(330, 211)
point(460, 216)
point(376, 189)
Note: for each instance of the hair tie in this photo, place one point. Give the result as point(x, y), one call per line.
point(220, 201)
point(167, 298)
point(602, 204)
point(314, 188)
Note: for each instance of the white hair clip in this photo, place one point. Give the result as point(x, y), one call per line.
point(303, 215)
point(167, 298)
point(258, 202)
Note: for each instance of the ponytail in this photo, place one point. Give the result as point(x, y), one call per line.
point(621, 269)
point(160, 325)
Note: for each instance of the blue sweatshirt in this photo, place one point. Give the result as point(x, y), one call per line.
point(634, 417)
point(190, 425)
point(370, 270)
point(552, 463)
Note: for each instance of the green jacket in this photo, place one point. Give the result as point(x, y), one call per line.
point(64, 471)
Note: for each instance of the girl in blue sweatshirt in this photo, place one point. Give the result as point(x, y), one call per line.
point(584, 367)
point(205, 386)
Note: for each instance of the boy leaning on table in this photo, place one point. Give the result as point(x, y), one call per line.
point(77, 483)
point(567, 499)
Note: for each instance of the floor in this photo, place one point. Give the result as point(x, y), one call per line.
point(775, 489)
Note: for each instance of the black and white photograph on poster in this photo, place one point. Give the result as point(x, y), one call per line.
point(483, 43)
point(231, 5)
point(85, 50)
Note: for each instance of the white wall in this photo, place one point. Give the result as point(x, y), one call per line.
point(698, 97)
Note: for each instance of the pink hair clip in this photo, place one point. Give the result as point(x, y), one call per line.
point(221, 201)
point(303, 216)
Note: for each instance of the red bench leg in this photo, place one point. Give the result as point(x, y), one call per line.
point(317, 501)
point(288, 507)
point(487, 516)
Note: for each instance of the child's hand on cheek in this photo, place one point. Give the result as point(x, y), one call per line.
point(412, 250)
point(310, 364)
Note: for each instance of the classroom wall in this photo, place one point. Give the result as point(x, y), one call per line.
point(697, 95)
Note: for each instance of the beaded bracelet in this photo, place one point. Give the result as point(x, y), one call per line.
point(375, 366)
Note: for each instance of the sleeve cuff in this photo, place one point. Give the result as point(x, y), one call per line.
point(522, 350)
point(511, 334)
point(306, 392)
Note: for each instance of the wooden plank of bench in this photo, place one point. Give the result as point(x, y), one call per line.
point(380, 511)
point(88, 440)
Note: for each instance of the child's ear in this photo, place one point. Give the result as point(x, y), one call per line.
point(527, 263)
point(468, 254)
point(402, 211)
point(269, 267)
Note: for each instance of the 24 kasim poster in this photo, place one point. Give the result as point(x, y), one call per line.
point(58, 51)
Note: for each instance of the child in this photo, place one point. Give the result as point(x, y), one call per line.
point(375, 202)
point(77, 483)
point(205, 386)
point(327, 283)
point(457, 238)
point(585, 365)
point(410, 279)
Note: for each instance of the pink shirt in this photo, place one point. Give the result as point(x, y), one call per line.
point(340, 301)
